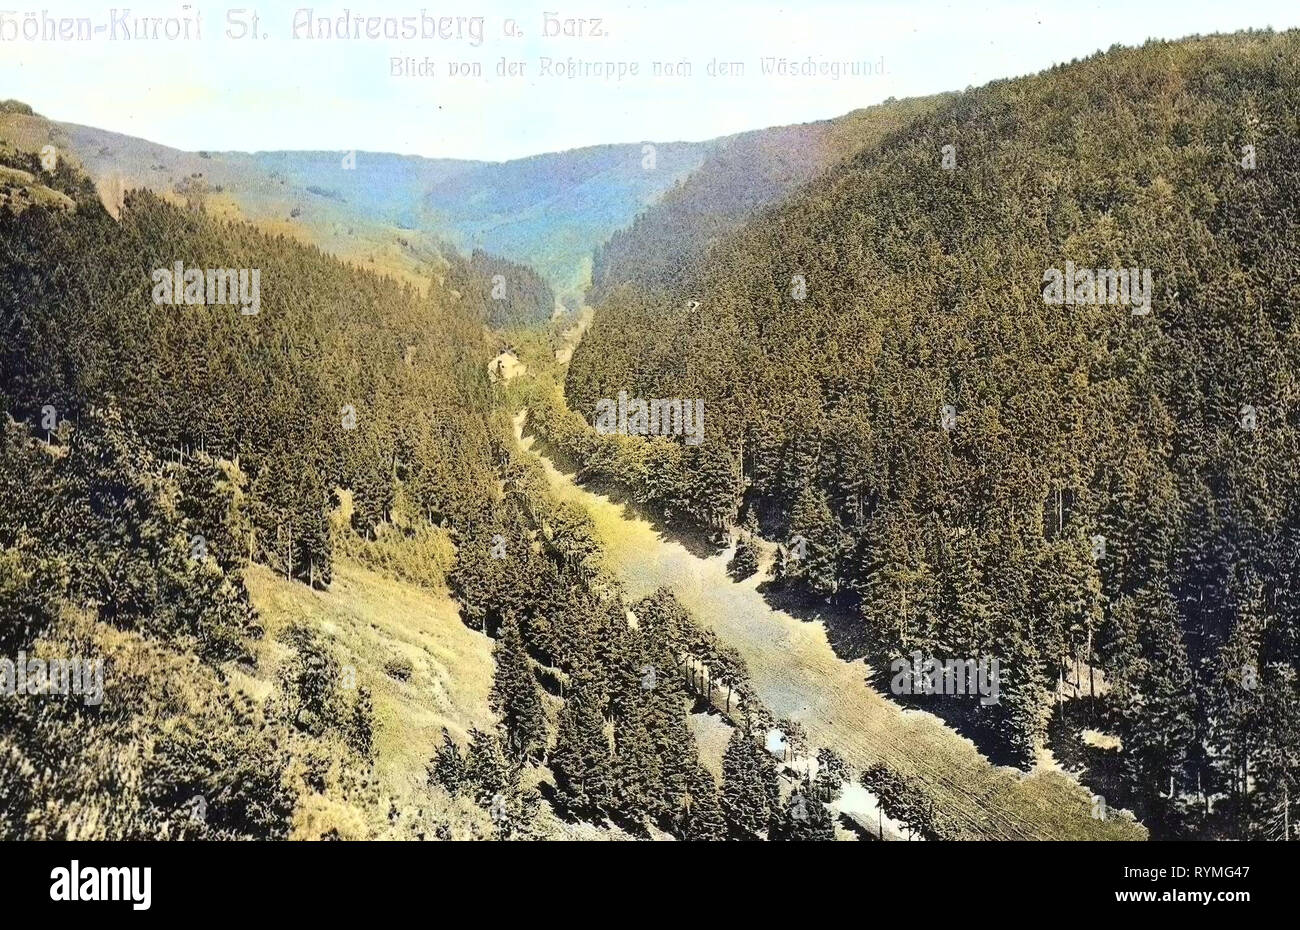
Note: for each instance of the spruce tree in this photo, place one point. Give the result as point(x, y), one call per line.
point(744, 562)
point(581, 759)
point(750, 788)
point(448, 766)
point(804, 819)
point(487, 770)
point(635, 768)
point(701, 817)
point(515, 697)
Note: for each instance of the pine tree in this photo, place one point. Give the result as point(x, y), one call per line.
point(745, 561)
point(448, 766)
point(487, 770)
point(581, 759)
point(804, 819)
point(1156, 704)
point(701, 817)
point(832, 773)
point(822, 541)
point(515, 697)
point(635, 767)
point(1276, 801)
point(361, 733)
point(750, 789)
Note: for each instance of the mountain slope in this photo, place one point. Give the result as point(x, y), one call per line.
point(394, 213)
point(152, 445)
point(741, 174)
point(552, 211)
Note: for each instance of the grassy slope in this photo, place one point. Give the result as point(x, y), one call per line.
point(368, 619)
point(798, 675)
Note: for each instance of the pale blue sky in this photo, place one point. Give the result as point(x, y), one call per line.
point(281, 93)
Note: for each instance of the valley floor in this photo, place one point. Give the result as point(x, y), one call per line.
point(372, 620)
point(799, 676)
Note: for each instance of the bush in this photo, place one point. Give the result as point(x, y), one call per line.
point(399, 668)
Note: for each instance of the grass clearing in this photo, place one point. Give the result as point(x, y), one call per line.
point(798, 675)
point(373, 622)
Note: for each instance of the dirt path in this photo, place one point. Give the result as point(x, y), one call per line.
point(573, 335)
point(798, 675)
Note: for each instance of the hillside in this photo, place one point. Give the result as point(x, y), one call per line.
point(426, 672)
point(980, 469)
point(740, 175)
point(374, 231)
point(552, 211)
point(157, 443)
point(395, 214)
point(600, 216)
point(798, 675)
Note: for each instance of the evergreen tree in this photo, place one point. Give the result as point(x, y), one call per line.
point(635, 768)
point(361, 734)
point(745, 561)
point(515, 697)
point(832, 773)
point(448, 766)
point(701, 818)
point(581, 759)
point(487, 770)
point(804, 819)
point(750, 790)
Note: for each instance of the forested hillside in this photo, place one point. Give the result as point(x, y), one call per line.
point(342, 377)
point(977, 471)
point(741, 174)
point(395, 214)
point(153, 450)
point(515, 295)
point(552, 211)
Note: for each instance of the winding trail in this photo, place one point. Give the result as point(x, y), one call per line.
point(798, 675)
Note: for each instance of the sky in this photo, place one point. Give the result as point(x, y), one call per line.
point(230, 86)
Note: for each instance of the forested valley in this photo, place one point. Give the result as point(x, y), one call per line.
point(1078, 490)
point(154, 453)
point(905, 436)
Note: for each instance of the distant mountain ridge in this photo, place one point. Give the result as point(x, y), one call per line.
point(597, 215)
point(396, 213)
